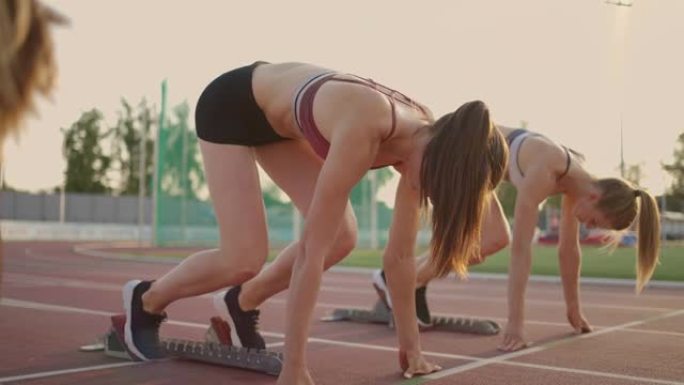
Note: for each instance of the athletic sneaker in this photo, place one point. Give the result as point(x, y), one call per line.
point(141, 331)
point(244, 325)
point(380, 284)
point(422, 311)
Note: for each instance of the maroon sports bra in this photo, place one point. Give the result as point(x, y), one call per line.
point(303, 107)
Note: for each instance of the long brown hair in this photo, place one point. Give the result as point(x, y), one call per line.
point(464, 161)
point(621, 203)
point(27, 62)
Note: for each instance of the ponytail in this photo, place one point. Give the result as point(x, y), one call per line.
point(463, 162)
point(621, 203)
point(648, 228)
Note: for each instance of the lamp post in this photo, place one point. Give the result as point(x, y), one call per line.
point(621, 3)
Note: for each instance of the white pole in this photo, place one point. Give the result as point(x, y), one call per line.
point(663, 232)
point(155, 160)
point(62, 201)
point(184, 181)
point(141, 180)
point(373, 212)
point(622, 151)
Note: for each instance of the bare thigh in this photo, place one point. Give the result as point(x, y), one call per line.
point(294, 167)
point(233, 181)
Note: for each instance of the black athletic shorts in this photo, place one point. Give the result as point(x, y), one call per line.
point(227, 112)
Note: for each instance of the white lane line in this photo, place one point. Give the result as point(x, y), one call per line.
point(539, 348)
point(591, 373)
point(325, 305)
point(475, 360)
point(52, 373)
point(448, 287)
point(49, 307)
point(25, 279)
point(480, 298)
point(479, 359)
point(68, 309)
point(656, 332)
point(388, 348)
point(75, 283)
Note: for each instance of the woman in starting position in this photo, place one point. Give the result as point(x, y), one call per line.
point(316, 132)
point(539, 168)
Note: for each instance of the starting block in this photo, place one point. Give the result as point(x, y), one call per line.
point(381, 314)
point(215, 349)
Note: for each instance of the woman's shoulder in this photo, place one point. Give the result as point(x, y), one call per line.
point(545, 151)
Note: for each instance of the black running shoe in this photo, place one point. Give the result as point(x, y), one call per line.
point(244, 325)
point(141, 332)
point(422, 311)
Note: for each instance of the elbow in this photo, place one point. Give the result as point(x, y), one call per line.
point(495, 246)
point(391, 260)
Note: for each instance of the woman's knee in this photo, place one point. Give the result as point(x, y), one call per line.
point(243, 260)
point(494, 244)
point(499, 243)
point(345, 242)
point(491, 246)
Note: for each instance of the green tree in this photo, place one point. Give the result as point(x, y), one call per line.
point(87, 162)
point(133, 127)
point(181, 174)
point(360, 195)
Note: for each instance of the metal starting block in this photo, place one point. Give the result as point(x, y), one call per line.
point(216, 349)
point(381, 314)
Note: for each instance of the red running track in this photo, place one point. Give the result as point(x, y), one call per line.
point(55, 300)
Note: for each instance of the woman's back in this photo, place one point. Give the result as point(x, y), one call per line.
point(278, 86)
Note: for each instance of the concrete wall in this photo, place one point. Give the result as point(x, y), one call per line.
point(77, 208)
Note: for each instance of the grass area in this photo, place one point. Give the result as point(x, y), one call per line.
point(596, 262)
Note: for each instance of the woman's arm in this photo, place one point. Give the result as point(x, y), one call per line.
point(399, 266)
point(342, 169)
point(569, 262)
point(538, 184)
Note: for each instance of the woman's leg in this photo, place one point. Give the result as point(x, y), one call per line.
point(235, 192)
point(236, 195)
point(297, 178)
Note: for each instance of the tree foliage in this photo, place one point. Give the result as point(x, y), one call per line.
point(87, 161)
point(133, 127)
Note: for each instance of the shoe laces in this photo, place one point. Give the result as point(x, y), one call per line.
point(155, 320)
point(253, 319)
